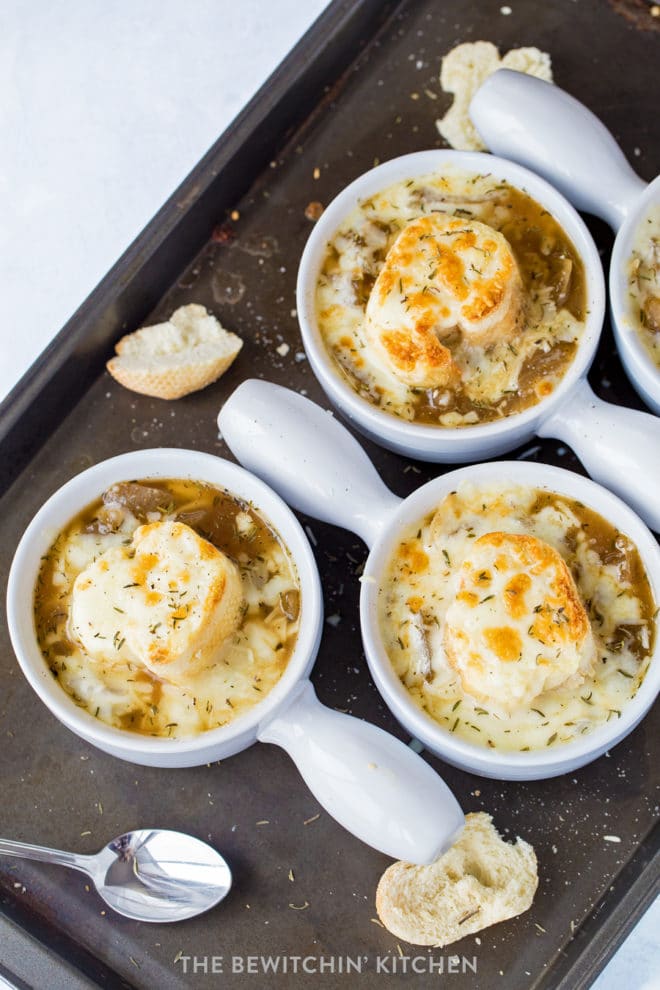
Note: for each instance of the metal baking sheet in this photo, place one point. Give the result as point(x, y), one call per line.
point(362, 86)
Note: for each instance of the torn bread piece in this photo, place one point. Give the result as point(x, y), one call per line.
point(464, 69)
point(479, 882)
point(172, 359)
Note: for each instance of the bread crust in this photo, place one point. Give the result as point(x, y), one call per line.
point(170, 383)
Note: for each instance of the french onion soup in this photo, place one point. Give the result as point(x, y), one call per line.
point(451, 299)
point(644, 284)
point(517, 618)
point(167, 607)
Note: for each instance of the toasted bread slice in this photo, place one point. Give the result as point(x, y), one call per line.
point(481, 880)
point(173, 641)
point(533, 634)
point(172, 359)
point(442, 273)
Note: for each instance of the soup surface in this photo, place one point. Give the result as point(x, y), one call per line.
point(167, 607)
point(499, 297)
point(644, 284)
point(517, 618)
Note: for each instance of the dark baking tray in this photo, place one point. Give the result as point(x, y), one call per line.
point(362, 85)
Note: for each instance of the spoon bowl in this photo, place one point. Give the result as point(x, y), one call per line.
point(148, 875)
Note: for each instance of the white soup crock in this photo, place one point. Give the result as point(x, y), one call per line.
point(373, 784)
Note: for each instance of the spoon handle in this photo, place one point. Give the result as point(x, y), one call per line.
point(25, 850)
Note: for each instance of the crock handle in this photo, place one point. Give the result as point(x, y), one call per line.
point(308, 457)
point(542, 127)
point(619, 447)
point(371, 783)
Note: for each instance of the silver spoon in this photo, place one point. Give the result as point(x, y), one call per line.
point(148, 875)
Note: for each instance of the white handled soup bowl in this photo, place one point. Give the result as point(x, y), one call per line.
point(549, 131)
point(372, 783)
point(320, 469)
point(617, 446)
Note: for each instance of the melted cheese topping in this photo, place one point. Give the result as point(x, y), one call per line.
point(643, 313)
point(560, 647)
point(441, 274)
point(152, 628)
point(451, 299)
point(516, 626)
point(170, 597)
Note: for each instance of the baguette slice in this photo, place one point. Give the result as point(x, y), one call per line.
point(172, 359)
point(481, 880)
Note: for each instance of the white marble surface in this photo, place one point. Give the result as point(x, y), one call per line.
point(104, 109)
